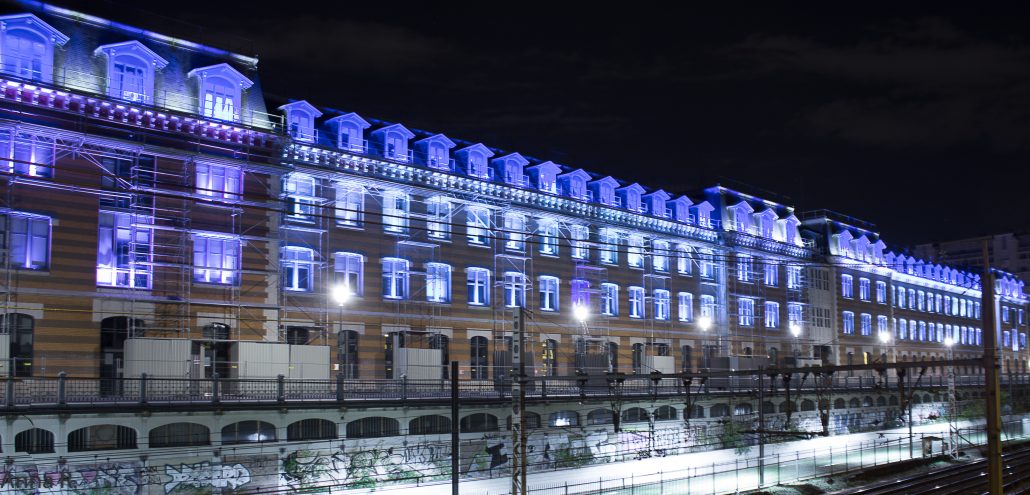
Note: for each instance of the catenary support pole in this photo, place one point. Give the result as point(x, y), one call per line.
point(455, 430)
point(761, 429)
point(518, 404)
point(991, 370)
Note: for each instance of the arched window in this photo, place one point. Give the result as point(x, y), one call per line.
point(719, 411)
point(179, 435)
point(600, 417)
point(880, 401)
point(101, 437)
point(840, 404)
point(429, 425)
point(478, 422)
point(298, 268)
point(807, 405)
point(854, 403)
point(373, 427)
point(698, 412)
point(347, 353)
point(665, 413)
point(20, 327)
point(442, 343)
point(311, 429)
point(768, 407)
point(563, 418)
point(867, 401)
point(549, 355)
point(28, 50)
point(34, 441)
point(635, 415)
point(478, 355)
point(113, 334)
point(248, 432)
point(532, 421)
point(742, 409)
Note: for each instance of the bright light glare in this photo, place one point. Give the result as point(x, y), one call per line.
point(341, 294)
point(704, 323)
point(948, 341)
point(795, 329)
point(580, 313)
point(885, 337)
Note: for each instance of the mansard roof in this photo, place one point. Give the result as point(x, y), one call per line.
point(224, 70)
point(136, 48)
point(744, 203)
point(30, 21)
point(301, 105)
point(767, 212)
point(350, 117)
point(394, 127)
point(438, 138)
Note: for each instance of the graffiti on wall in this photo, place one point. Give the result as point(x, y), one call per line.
point(204, 474)
point(107, 479)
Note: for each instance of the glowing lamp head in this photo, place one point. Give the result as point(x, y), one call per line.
point(704, 323)
point(885, 337)
point(948, 341)
point(580, 313)
point(341, 294)
point(795, 329)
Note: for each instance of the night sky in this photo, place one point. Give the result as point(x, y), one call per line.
point(915, 120)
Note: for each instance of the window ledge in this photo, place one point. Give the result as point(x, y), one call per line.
point(31, 272)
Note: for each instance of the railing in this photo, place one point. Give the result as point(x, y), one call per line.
point(64, 391)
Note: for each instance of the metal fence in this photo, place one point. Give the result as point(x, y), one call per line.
point(20, 392)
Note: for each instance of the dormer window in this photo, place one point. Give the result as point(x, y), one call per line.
point(631, 196)
point(474, 160)
point(392, 142)
point(300, 120)
point(510, 168)
point(574, 183)
point(703, 212)
point(604, 191)
point(766, 221)
point(220, 89)
point(739, 217)
point(130, 70)
point(679, 209)
point(545, 176)
point(434, 152)
point(349, 129)
point(656, 203)
point(27, 47)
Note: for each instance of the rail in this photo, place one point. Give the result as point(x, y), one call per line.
point(64, 391)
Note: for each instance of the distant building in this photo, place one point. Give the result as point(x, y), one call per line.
point(1009, 252)
point(204, 292)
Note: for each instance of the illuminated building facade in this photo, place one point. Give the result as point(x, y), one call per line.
point(168, 237)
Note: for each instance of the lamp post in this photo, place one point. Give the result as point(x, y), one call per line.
point(795, 330)
point(704, 323)
point(341, 294)
point(949, 342)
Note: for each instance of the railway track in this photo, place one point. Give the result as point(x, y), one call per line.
point(968, 478)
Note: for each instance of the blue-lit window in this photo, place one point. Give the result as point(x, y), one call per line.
point(438, 282)
point(849, 323)
point(580, 293)
point(350, 205)
point(661, 304)
point(123, 252)
point(772, 314)
point(746, 312)
point(609, 299)
point(881, 324)
point(881, 293)
point(297, 264)
point(867, 324)
point(547, 233)
point(636, 302)
point(478, 286)
point(350, 272)
point(863, 289)
point(772, 273)
point(25, 54)
point(477, 225)
point(708, 306)
point(514, 290)
point(395, 212)
point(745, 268)
point(685, 261)
point(300, 197)
point(395, 278)
point(686, 306)
point(515, 232)
point(219, 181)
point(219, 100)
point(27, 154)
point(29, 237)
point(847, 286)
point(707, 263)
point(660, 255)
point(216, 259)
point(548, 293)
point(794, 314)
point(609, 246)
point(579, 236)
point(438, 218)
point(635, 251)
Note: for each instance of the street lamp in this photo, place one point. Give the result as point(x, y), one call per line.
point(580, 313)
point(341, 294)
point(704, 323)
point(795, 330)
point(949, 342)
